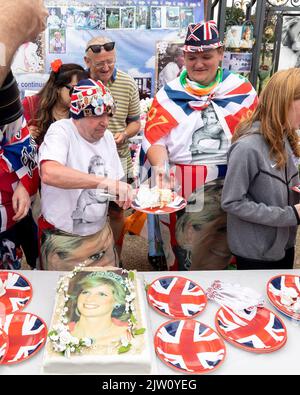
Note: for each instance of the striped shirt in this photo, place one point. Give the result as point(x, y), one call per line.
point(126, 95)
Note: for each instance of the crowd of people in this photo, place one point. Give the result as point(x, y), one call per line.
point(234, 157)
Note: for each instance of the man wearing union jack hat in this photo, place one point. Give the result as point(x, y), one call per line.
point(100, 58)
point(18, 159)
point(190, 125)
point(80, 171)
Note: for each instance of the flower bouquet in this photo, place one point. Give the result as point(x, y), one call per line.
point(145, 105)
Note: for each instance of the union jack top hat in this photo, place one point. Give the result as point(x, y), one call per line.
point(91, 98)
point(202, 36)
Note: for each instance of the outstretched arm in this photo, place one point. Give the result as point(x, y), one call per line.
point(20, 21)
point(55, 174)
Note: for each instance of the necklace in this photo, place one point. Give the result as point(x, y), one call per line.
point(197, 89)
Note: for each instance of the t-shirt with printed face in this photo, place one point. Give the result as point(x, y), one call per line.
point(200, 140)
point(78, 211)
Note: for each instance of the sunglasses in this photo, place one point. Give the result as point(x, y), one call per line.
point(70, 88)
point(97, 47)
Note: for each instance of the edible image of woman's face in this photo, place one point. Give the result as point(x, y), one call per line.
point(96, 301)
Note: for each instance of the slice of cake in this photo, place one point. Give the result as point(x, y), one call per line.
point(153, 197)
point(99, 324)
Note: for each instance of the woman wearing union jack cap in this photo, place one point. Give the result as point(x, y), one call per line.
point(190, 125)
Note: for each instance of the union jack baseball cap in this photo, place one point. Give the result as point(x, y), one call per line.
point(202, 36)
point(91, 98)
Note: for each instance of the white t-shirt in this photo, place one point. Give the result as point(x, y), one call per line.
point(200, 140)
point(78, 211)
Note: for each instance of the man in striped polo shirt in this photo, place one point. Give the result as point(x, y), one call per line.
point(100, 58)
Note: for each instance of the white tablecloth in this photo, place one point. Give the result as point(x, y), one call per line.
point(237, 361)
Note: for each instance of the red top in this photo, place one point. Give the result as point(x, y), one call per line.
point(30, 107)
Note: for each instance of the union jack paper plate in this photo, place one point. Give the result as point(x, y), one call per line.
point(3, 345)
point(177, 203)
point(18, 292)
point(265, 333)
point(276, 287)
point(176, 297)
point(189, 346)
point(27, 334)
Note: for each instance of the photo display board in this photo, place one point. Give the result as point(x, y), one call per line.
point(135, 26)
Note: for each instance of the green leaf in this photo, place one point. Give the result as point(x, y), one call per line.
point(146, 287)
point(124, 349)
point(133, 319)
point(52, 333)
point(140, 331)
point(131, 275)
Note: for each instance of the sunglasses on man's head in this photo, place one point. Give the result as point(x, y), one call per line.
point(96, 48)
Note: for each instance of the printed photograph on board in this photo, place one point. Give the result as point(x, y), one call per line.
point(54, 20)
point(30, 57)
point(82, 18)
point(172, 18)
point(290, 44)
point(247, 37)
point(113, 18)
point(233, 36)
point(57, 41)
point(169, 60)
point(186, 17)
point(127, 17)
point(239, 62)
point(68, 17)
point(142, 17)
point(156, 18)
point(96, 18)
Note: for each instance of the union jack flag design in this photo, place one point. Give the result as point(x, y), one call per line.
point(18, 161)
point(27, 334)
point(171, 114)
point(232, 99)
point(189, 346)
point(264, 333)
point(92, 98)
point(18, 292)
point(276, 285)
point(176, 297)
point(202, 31)
point(3, 344)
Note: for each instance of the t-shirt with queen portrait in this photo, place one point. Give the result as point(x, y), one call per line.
point(78, 211)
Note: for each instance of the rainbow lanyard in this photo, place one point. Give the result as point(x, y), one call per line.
point(195, 88)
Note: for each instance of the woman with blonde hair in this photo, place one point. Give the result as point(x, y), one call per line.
point(262, 209)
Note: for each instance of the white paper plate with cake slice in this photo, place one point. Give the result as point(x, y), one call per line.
point(157, 200)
